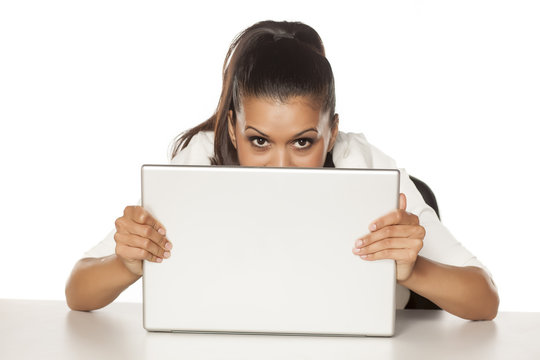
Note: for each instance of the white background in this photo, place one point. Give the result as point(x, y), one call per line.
point(89, 91)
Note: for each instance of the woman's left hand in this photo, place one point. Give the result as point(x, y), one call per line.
point(398, 235)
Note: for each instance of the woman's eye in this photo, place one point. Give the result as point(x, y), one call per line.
point(304, 143)
point(261, 143)
point(257, 141)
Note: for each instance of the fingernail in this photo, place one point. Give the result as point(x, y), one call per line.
point(372, 227)
point(168, 246)
point(161, 231)
point(363, 256)
point(359, 242)
point(166, 254)
point(158, 260)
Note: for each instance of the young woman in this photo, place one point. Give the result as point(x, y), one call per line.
point(277, 108)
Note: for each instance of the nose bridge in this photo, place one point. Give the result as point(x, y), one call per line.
point(281, 157)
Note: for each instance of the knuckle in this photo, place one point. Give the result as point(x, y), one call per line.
point(142, 217)
point(411, 255)
point(162, 241)
point(142, 254)
point(138, 213)
point(399, 216)
point(146, 243)
point(148, 231)
point(118, 222)
point(116, 237)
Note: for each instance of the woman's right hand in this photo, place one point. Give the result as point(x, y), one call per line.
point(140, 237)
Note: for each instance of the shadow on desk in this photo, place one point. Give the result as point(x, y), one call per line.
point(31, 329)
point(97, 332)
point(409, 320)
point(433, 334)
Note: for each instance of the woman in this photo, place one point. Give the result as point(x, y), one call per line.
point(277, 108)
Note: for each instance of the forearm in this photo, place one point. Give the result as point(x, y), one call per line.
point(466, 292)
point(96, 282)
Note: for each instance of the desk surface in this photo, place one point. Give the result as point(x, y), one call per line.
point(31, 329)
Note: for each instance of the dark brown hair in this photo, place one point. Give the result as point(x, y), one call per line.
point(276, 60)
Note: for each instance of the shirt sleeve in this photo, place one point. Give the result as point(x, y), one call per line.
point(439, 244)
point(198, 152)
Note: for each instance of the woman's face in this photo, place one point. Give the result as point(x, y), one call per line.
point(292, 134)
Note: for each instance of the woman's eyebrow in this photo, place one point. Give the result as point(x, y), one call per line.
point(300, 133)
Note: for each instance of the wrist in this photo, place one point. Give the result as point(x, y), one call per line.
point(413, 275)
point(126, 271)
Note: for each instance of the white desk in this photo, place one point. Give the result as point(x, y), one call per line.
point(31, 329)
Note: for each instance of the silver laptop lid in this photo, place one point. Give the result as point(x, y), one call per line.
point(268, 250)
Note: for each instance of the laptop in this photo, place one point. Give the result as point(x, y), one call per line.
point(267, 250)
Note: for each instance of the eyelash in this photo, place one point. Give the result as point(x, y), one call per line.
point(251, 138)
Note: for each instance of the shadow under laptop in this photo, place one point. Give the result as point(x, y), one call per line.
point(435, 334)
point(259, 346)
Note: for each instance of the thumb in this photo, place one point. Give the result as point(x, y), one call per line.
point(402, 201)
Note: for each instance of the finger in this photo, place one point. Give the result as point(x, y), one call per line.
point(141, 216)
point(132, 253)
point(398, 217)
point(390, 243)
point(402, 201)
point(141, 243)
point(393, 231)
point(401, 255)
point(147, 231)
point(124, 224)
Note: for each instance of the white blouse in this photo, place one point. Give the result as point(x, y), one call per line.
point(351, 150)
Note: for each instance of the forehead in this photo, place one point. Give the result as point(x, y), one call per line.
point(270, 114)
